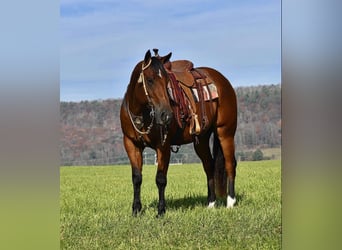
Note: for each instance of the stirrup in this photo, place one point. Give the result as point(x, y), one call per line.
point(195, 128)
point(175, 148)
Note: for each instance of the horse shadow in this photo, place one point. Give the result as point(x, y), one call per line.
point(193, 201)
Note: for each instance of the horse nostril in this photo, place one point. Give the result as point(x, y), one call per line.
point(165, 117)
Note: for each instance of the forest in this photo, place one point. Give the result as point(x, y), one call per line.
point(91, 132)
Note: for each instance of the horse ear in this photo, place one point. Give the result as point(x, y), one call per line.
point(147, 57)
point(166, 58)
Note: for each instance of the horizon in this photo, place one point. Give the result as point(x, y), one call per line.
point(120, 98)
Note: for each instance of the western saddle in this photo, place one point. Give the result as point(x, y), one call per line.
point(183, 79)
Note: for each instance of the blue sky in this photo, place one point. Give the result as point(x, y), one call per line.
point(102, 41)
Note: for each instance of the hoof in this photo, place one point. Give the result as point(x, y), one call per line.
point(135, 213)
point(136, 209)
point(230, 202)
point(211, 204)
point(161, 213)
point(158, 216)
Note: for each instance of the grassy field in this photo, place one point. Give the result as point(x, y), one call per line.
point(95, 209)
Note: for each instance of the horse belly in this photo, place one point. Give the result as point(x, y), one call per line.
point(182, 136)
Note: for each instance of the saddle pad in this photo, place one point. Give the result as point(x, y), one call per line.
point(206, 89)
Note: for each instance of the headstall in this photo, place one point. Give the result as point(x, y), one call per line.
point(163, 130)
point(152, 113)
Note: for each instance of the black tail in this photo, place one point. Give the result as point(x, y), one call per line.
point(220, 170)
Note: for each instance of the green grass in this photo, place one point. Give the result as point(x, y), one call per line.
point(95, 209)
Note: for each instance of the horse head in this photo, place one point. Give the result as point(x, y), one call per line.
point(151, 88)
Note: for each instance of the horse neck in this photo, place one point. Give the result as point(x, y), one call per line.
point(135, 106)
point(133, 98)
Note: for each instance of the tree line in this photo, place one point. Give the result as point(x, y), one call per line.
point(91, 132)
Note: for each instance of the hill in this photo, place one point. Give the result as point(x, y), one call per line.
point(91, 132)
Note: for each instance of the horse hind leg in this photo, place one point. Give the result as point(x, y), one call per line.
point(228, 148)
point(203, 151)
point(231, 199)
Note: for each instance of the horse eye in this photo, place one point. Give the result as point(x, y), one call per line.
point(149, 81)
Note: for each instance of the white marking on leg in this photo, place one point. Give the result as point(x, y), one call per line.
point(230, 202)
point(211, 204)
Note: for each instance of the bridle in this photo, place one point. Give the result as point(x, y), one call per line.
point(141, 79)
point(152, 112)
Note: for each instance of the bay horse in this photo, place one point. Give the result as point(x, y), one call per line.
point(148, 120)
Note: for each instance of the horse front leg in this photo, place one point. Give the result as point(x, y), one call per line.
point(163, 157)
point(135, 156)
point(136, 180)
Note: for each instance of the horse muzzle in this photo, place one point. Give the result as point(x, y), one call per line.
point(163, 116)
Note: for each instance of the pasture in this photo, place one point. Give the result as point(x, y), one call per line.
point(96, 212)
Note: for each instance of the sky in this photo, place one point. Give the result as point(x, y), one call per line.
point(101, 41)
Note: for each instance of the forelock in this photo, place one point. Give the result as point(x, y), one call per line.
point(157, 65)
